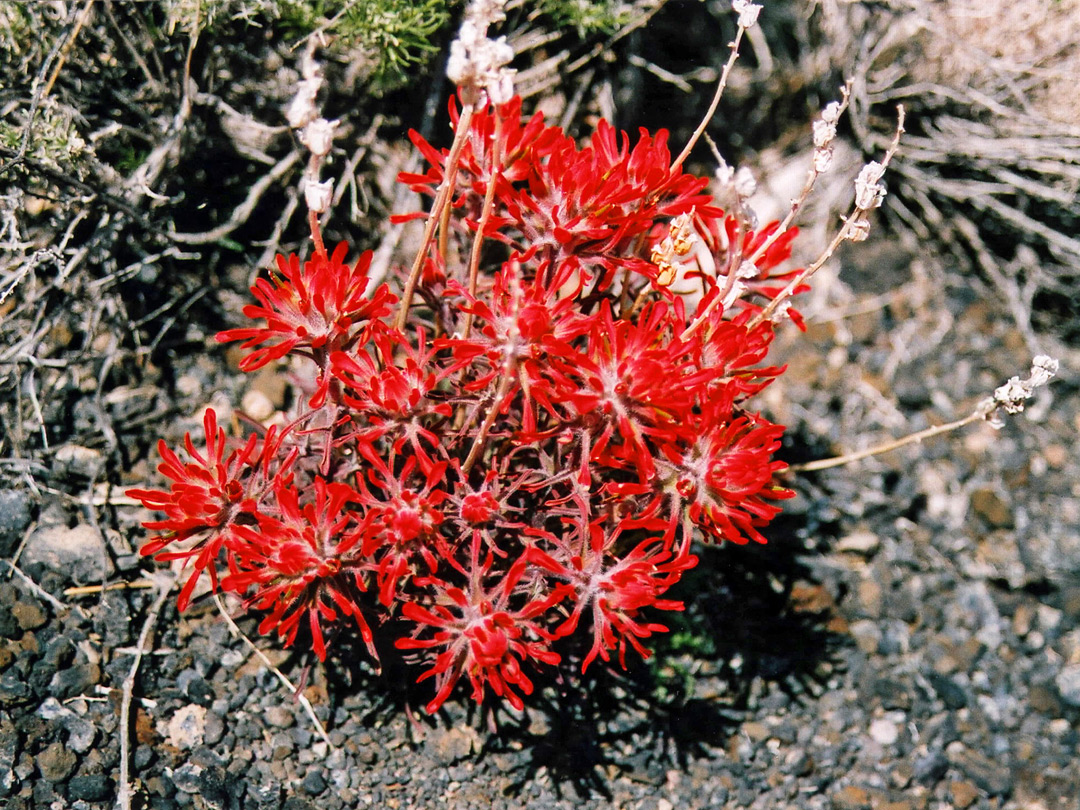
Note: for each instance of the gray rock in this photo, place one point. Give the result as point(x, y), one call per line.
point(951, 693)
point(451, 745)
point(15, 516)
point(1068, 684)
point(12, 688)
point(214, 729)
point(186, 728)
point(279, 716)
point(314, 783)
point(77, 553)
point(186, 777)
point(990, 775)
point(9, 750)
point(76, 461)
point(92, 787)
point(930, 767)
point(75, 680)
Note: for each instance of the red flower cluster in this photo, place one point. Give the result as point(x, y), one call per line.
point(534, 453)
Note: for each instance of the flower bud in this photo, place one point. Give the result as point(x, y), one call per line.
point(318, 195)
point(318, 136)
point(302, 109)
point(747, 11)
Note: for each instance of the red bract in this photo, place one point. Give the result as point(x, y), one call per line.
point(526, 451)
point(322, 306)
point(478, 634)
point(302, 566)
point(209, 499)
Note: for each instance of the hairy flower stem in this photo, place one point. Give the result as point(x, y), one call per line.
point(489, 420)
point(811, 178)
point(442, 200)
point(894, 444)
point(724, 74)
point(316, 234)
point(485, 216)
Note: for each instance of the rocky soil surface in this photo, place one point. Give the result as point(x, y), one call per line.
point(909, 639)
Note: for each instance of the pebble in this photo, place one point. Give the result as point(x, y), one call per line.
point(56, 762)
point(213, 728)
point(186, 728)
point(280, 716)
point(9, 748)
point(851, 797)
point(991, 507)
point(28, 615)
point(78, 553)
point(963, 794)
point(77, 461)
point(990, 775)
point(95, 787)
point(314, 783)
point(1068, 684)
point(884, 731)
point(15, 516)
point(862, 542)
point(451, 745)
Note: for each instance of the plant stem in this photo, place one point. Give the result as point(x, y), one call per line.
point(489, 420)
point(485, 216)
point(893, 444)
point(442, 199)
point(714, 104)
point(316, 234)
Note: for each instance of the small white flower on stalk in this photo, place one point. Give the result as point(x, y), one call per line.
point(747, 11)
point(734, 294)
point(745, 184)
point(747, 270)
point(869, 190)
point(318, 195)
point(478, 64)
point(302, 110)
point(824, 134)
point(318, 136)
point(1012, 395)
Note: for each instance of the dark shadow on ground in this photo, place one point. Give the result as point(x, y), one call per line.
point(753, 614)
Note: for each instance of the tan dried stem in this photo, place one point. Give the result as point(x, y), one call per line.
point(489, 420)
point(977, 415)
point(721, 85)
point(812, 175)
point(165, 583)
point(282, 678)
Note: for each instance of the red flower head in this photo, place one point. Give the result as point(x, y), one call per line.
point(209, 498)
point(304, 564)
point(322, 307)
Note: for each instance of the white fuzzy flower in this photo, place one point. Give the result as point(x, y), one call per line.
point(302, 110)
point(318, 195)
point(745, 184)
point(318, 136)
point(1012, 395)
point(478, 63)
point(869, 191)
point(747, 11)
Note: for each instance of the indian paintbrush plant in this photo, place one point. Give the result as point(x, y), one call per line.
point(520, 438)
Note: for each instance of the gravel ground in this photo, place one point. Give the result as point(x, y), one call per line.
point(910, 638)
